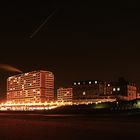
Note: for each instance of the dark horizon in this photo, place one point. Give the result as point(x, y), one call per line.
point(81, 41)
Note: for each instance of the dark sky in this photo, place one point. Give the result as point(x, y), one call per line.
point(81, 41)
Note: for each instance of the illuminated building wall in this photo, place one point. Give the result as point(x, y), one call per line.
point(88, 89)
point(64, 94)
point(35, 86)
point(138, 93)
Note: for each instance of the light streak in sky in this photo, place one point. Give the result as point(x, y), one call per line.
point(45, 21)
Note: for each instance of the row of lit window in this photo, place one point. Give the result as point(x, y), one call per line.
point(23, 78)
point(116, 89)
point(90, 82)
point(19, 83)
point(27, 93)
point(18, 96)
point(34, 83)
point(64, 94)
point(60, 97)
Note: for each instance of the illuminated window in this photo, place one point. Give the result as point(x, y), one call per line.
point(95, 82)
point(26, 74)
point(65, 94)
point(118, 89)
point(34, 90)
point(89, 82)
point(108, 85)
point(22, 86)
point(114, 89)
point(84, 93)
point(78, 83)
point(74, 83)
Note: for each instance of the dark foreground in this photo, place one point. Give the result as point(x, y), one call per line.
point(20, 126)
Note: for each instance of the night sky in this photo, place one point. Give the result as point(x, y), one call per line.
point(81, 41)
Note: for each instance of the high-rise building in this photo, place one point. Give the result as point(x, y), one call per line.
point(64, 94)
point(35, 86)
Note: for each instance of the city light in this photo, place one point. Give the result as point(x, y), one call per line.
point(32, 106)
point(31, 86)
point(118, 89)
point(78, 83)
point(114, 89)
point(35, 91)
point(84, 93)
point(15, 106)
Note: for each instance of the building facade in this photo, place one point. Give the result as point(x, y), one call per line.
point(88, 89)
point(64, 94)
point(108, 89)
point(138, 93)
point(35, 86)
point(124, 90)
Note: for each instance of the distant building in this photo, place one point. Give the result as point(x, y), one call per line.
point(88, 89)
point(124, 90)
point(64, 94)
point(35, 86)
point(138, 93)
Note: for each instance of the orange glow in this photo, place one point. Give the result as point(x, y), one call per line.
point(35, 86)
point(47, 105)
point(32, 106)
